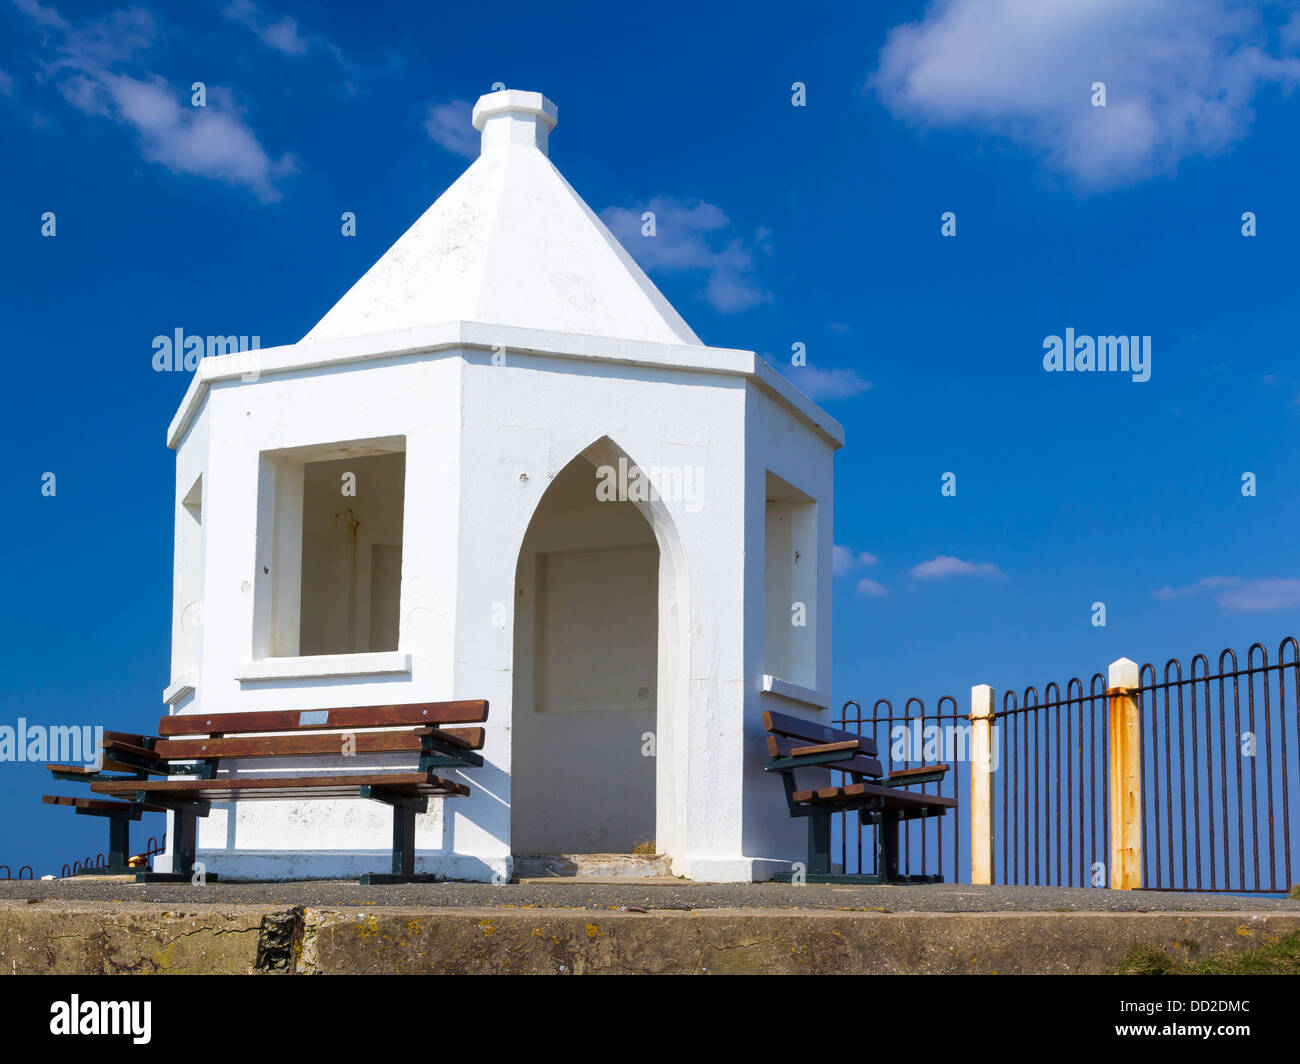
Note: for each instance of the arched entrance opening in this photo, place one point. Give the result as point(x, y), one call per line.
point(594, 675)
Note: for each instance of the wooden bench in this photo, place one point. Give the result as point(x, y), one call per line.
point(198, 746)
point(878, 798)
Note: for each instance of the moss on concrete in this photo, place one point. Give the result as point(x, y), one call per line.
point(1279, 957)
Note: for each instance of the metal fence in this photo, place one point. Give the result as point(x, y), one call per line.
point(1050, 793)
point(914, 737)
point(1220, 762)
point(100, 861)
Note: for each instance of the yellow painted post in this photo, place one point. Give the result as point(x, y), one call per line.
point(1125, 777)
point(981, 784)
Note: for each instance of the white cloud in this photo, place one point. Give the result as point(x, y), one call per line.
point(946, 565)
point(42, 16)
point(1259, 595)
point(1180, 77)
point(845, 560)
point(867, 586)
point(212, 141)
point(1210, 582)
point(1241, 596)
point(694, 236)
point(6, 84)
point(280, 34)
point(818, 383)
point(450, 126)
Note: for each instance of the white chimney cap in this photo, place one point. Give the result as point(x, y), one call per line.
point(513, 118)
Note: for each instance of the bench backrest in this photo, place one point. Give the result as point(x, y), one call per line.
point(314, 732)
point(799, 738)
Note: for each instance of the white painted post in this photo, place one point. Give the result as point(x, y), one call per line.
point(1125, 778)
point(981, 784)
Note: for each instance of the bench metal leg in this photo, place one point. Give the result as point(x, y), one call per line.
point(887, 850)
point(819, 844)
point(119, 845)
point(184, 848)
point(403, 866)
point(819, 853)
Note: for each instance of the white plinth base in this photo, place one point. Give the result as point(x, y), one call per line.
point(326, 864)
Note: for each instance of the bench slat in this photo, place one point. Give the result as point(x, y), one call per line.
point(916, 770)
point(108, 765)
point(288, 720)
point(313, 743)
point(897, 798)
point(243, 787)
point(778, 746)
point(127, 737)
point(99, 804)
point(812, 732)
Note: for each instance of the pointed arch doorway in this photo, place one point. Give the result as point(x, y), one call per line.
point(589, 669)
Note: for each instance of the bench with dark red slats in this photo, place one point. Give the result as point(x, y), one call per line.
point(199, 746)
point(794, 743)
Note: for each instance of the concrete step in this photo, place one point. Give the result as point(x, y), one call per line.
point(592, 866)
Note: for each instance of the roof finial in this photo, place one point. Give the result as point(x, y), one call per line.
point(510, 118)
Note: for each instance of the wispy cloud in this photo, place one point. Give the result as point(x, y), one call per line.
point(1180, 75)
point(867, 586)
point(818, 383)
point(6, 84)
point(89, 66)
point(845, 560)
point(692, 236)
point(1241, 596)
point(41, 15)
point(1208, 583)
point(450, 126)
point(945, 565)
point(282, 33)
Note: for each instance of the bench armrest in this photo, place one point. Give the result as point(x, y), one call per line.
point(908, 777)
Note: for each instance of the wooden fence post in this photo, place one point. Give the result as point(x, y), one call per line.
point(1125, 777)
point(981, 784)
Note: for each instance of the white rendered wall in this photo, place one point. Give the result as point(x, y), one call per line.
point(412, 398)
point(483, 442)
point(780, 444)
point(524, 421)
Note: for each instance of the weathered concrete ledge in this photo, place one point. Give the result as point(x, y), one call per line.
point(130, 937)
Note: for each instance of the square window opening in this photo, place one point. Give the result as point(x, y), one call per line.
point(329, 571)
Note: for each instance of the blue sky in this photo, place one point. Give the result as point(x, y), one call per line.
point(777, 224)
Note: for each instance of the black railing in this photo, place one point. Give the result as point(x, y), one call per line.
point(914, 737)
point(152, 849)
point(1050, 793)
point(1220, 763)
point(1220, 760)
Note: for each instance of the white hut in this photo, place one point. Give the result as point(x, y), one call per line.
point(503, 467)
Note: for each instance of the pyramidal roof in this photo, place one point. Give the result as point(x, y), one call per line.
point(509, 243)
